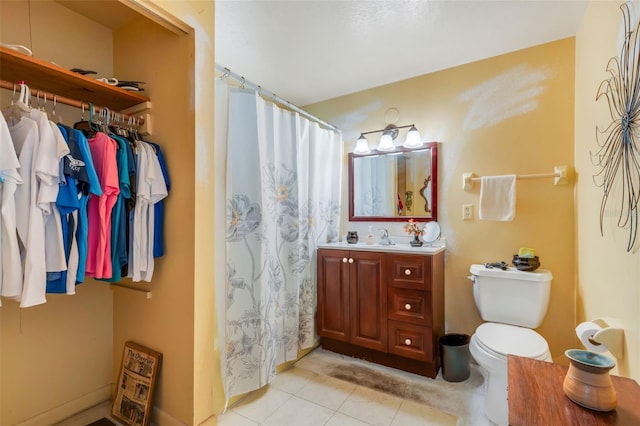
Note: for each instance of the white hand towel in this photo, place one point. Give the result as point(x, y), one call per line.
point(498, 198)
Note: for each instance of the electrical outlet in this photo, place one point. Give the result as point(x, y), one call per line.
point(467, 211)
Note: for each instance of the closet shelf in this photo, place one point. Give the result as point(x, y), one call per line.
point(50, 78)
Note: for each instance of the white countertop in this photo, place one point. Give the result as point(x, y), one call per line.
point(400, 247)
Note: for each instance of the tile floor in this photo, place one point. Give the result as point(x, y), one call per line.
point(303, 397)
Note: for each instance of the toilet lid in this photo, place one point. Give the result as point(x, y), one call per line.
point(510, 339)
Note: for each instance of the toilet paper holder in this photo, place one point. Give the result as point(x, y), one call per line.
point(611, 335)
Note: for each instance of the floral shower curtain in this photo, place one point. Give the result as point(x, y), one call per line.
point(283, 198)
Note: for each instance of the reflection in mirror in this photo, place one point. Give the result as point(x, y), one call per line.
point(394, 186)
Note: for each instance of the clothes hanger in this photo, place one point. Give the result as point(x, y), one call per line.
point(104, 120)
point(54, 115)
point(89, 128)
point(25, 95)
point(19, 107)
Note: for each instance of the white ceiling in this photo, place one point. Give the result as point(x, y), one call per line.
point(309, 51)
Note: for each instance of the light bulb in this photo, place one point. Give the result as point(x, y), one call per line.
point(362, 146)
point(386, 143)
point(413, 138)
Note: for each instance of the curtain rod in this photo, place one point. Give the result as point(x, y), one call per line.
point(226, 72)
point(67, 101)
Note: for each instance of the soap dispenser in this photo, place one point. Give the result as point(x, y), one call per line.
point(371, 240)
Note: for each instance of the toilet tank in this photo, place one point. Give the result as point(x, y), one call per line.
point(512, 296)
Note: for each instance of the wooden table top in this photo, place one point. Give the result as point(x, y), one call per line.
point(536, 398)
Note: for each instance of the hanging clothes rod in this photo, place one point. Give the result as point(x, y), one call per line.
point(67, 101)
point(226, 72)
point(560, 175)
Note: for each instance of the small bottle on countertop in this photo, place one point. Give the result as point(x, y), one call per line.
point(371, 239)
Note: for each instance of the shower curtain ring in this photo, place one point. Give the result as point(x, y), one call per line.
point(226, 73)
point(242, 83)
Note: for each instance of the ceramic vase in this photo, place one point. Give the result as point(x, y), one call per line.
point(352, 237)
point(588, 382)
point(416, 242)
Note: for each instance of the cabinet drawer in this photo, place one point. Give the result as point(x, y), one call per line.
point(409, 271)
point(411, 341)
point(409, 305)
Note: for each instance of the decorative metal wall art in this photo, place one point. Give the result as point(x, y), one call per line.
point(617, 157)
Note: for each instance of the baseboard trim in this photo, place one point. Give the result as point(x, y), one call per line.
point(69, 408)
point(162, 418)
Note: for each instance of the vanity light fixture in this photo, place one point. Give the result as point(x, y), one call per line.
point(389, 133)
point(386, 141)
point(362, 146)
point(413, 138)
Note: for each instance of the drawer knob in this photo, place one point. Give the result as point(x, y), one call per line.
point(344, 260)
point(407, 307)
point(407, 271)
point(407, 341)
point(350, 260)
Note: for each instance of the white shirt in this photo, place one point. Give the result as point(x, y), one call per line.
point(51, 148)
point(10, 263)
point(29, 218)
point(74, 256)
point(53, 240)
point(151, 188)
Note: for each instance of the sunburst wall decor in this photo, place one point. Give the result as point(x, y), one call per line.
point(617, 157)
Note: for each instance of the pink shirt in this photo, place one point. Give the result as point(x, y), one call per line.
point(103, 151)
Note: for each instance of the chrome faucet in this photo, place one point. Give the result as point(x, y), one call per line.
point(384, 238)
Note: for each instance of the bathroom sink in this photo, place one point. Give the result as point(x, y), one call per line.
point(399, 247)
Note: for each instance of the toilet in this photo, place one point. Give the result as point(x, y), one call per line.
point(512, 303)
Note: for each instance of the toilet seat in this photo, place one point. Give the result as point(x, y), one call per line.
point(501, 340)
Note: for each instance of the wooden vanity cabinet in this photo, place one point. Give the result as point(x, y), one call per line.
point(352, 300)
point(384, 307)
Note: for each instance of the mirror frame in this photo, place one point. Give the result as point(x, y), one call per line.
point(433, 146)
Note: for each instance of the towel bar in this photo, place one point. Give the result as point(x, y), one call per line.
point(560, 175)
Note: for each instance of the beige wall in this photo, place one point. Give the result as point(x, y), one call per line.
point(508, 114)
point(56, 358)
point(608, 276)
point(206, 375)
point(165, 322)
point(181, 325)
point(179, 318)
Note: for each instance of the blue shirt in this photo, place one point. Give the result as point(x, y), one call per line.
point(67, 202)
point(93, 188)
point(158, 230)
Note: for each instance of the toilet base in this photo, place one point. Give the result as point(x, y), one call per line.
point(496, 405)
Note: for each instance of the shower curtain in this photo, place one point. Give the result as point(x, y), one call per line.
point(283, 185)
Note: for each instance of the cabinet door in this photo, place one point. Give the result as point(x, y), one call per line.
point(333, 294)
point(368, 300)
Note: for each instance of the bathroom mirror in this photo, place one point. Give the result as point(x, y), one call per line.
point(394, 186)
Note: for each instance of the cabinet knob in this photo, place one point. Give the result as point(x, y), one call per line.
point(407, 307)
point(350, 260)
point(407, 341)
point(344, 260)
point(407, 271)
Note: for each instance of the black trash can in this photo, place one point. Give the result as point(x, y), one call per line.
point(455, 357)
